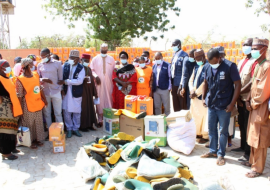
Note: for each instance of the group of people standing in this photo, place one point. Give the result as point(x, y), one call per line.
point(212, 88)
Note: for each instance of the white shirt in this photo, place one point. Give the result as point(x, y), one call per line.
point(71, 104)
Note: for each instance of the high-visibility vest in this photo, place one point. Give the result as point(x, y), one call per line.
point(33, 97)
point(10, 87)
point(143, 77)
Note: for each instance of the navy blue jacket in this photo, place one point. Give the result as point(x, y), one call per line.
point(77, 91)
point(179, 59)
point(220, 86)
point(163, 82)
point(188, 69)
point(201, 77)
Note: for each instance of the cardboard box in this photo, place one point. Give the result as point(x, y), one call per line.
point(131, 126)
point(183, 115)
point(56, 132)
point(109, 113)
point(59, 146)
point(111, 126)
point(110, 121)
point(156, 128)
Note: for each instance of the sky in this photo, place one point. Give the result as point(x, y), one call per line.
point(229, 20)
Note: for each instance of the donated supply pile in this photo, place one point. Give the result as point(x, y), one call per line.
point(129, 157)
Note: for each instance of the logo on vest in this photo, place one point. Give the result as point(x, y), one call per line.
point(36, 90)
point(141, 80)
point(222, 75)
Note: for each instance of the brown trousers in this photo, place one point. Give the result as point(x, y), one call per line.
point(179, 102)
point(257, 159)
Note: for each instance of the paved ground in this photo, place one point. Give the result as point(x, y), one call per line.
point(41, 169)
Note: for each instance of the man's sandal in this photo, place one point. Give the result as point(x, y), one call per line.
point(253, 174)
point(209, 155)
point(221, 161)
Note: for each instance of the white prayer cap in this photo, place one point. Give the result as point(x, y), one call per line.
point(104, 45)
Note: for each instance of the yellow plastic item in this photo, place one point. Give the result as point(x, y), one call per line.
point(131, 172)
point(232, 59)
point(228, 52)
point(192, 46)
point(133, 50)
point(60, 57)
point(234, 52)
point(126, 137)
point(188, 47)
point(115, 157)
point(185, 173)
point(65, 50)
point(128, 50)
point(225, 45)
point(55, 50)
point(145, 104)
point(130, 114)
point(213, 45)
point(231, 44)
point(142, 179)
point(199, 46)
point(169, 54)
point(65, 57)
point(240, 52)
point(131, 103)
point(60, 51)
point(238, 59)
point(184, 48)
point(139, 51)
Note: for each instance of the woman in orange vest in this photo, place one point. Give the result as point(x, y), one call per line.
point(32, 100)
point(144, 78)
point(10, 109)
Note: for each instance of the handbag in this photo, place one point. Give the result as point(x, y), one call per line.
point(23, 136)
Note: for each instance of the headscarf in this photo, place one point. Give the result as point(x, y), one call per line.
point(25, 62)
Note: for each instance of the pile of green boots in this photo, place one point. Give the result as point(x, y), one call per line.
point(138, 165)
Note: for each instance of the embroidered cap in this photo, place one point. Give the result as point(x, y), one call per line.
point(198, 52)
point(262, 42)
point(86, 56)
point(74, 53)
point(220, 49)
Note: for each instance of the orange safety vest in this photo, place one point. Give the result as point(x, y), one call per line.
point(10, 87)
point(144, 77)
point(33, 97)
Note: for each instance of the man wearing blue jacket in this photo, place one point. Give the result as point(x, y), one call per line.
point(220, 96)
point(180, 58)
point(162, 85)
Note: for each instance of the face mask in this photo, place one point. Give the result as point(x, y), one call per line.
point(158, 62)
point(175, 48)
point(191, 59)
point(71, 62)
point(215, 66)
point(45, 60)
point(145, 58)
point(103, 55)
point(199, 63)
point(246, 50)
point(85, 64)
point(8, 70)
point(255, 54)
point(35, 62)
point(33, 68)
point(142, 65)
point(135, 64)
point(123, 61)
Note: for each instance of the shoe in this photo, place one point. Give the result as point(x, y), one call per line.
point(138, 185)
point(15, 151)
point(69, 134)
point(125, 137)
point(11, 157)
point(47, 138)
point(243, 158)
point(207, 146)
point(203, 141)
point(97, 157)
point(77, 133)
point(167, 184)
point(237, 150)
point(176, 187)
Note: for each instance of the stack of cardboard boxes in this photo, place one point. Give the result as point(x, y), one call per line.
point(58, 137)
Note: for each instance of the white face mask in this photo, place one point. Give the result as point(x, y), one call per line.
point(215, 66)
point(135, 64)
point(158, 62)
point(145, 58)
point(8, 70)
point(85, 64)
point(103, 55)
point(35, 62)
point(71, 62)
point(45, 60)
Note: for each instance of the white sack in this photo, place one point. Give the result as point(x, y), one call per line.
point(182, 138)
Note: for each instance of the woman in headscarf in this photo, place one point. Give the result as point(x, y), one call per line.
point(10, 109)
point(32, 100)
point(88, 114)
point(124, 81)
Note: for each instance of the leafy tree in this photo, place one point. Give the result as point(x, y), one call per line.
point(23, 44)
point(264, 8)
point(113, 20)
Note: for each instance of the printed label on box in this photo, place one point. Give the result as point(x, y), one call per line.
point(59, 149)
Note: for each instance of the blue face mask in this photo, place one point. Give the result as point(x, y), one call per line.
point(123, 61)
point(199, 63)
point(192, 60)
point(255, 54)
point(8, 70)
point(33, 68)
point(103, 55)
point(175, 48)
point(246, 50)
point(142, 65)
